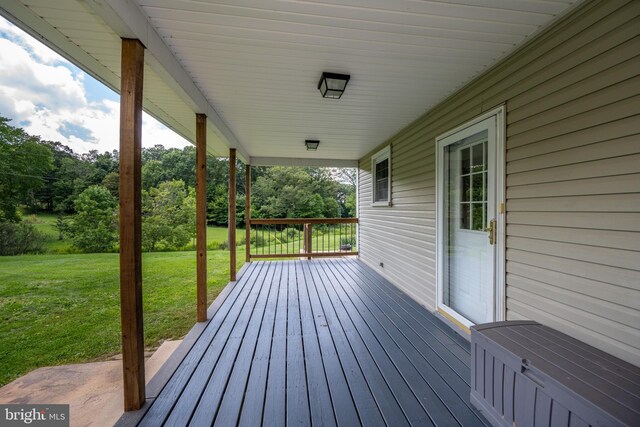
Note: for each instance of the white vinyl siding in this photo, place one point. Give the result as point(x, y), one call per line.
point(572, 97)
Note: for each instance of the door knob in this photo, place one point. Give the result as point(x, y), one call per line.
point(491, 229)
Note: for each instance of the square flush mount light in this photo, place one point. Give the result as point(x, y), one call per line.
point(331, 85)
point(312, 145)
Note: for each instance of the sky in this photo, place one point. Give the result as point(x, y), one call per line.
point(48, 96)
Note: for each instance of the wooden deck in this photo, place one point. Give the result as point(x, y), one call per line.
point(323, 342)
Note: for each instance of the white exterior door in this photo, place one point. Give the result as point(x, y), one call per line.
point(467, 223)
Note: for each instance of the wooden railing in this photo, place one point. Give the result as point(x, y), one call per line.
point(302, 237)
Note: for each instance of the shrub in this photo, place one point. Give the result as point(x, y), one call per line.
point(213, 245)
point(94, 227)
point(20, 238)
point(347, 240)
point(259, 240)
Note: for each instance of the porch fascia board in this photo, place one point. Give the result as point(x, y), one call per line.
point(128, 21)
point(290, 161)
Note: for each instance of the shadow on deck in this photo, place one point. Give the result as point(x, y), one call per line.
point(323, 342)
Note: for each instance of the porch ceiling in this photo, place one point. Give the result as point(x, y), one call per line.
point(253, 65)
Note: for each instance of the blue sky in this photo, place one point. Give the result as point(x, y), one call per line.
point(48, 96)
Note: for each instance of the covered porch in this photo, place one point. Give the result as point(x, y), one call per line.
point(313, 342)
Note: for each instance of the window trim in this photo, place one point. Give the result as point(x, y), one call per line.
point(380, 156)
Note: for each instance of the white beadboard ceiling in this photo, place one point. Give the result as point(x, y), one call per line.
point(256, 63)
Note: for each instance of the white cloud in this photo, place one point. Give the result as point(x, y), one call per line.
point(45, 94)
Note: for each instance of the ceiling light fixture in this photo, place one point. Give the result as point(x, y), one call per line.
point(332, 85)
point(312, 145)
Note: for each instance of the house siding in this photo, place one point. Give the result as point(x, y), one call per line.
point(572, 98)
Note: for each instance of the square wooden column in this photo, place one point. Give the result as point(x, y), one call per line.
point(247, 210)
point(131, 223)
point(232, 214)
point(201, 215)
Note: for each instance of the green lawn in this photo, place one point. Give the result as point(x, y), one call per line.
point(45, 223)
point(57, 309)
point(220, 234)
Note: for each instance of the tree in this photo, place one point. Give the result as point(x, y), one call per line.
point(290, 192)
point(94, 226)
point(24, 163)
point(48, 196)
point(111, 182)
point(168, 216)
point(152, 174)
point(350, 205)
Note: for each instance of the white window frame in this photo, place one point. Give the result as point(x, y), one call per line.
point(384, 154)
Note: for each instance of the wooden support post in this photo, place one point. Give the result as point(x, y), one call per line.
point(232, 214)
point(132, 70)
point(201, 215)
point(247, 210)
point(308, 235)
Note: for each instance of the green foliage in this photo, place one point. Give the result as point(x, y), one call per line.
point(94, 227)
point(217, 205)
point(294, 192)
point(111, 182)
point(24, 162)
point(20, 238)
point(348, 240)
point(168, 216)
point(152, 174)
point(331, 208)
point(350, 205)
point(277, 191)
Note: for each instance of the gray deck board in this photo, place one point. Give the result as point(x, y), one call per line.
point(252, 407)
point(341, 397)
point(298, 395)
point(322, 342)
point(275, 397)
point(441, 380)
point(365, 404)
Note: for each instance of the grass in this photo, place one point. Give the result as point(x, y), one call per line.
point(45, 223)
point(58, 309)
point(220, 234)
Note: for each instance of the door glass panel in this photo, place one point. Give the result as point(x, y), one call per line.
point(473, 179)
point(468, 269)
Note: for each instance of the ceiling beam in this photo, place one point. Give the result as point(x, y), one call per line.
point(128, 21)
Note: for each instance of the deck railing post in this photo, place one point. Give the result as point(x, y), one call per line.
point(247, 210)
point(131, 78)
point(232, 214)
point(201, 216)
point(308, 233)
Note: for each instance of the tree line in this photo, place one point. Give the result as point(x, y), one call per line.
point(82, 189)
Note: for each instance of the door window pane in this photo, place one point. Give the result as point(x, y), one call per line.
point(473, 186)
point(466, 188)
point(478, 187)
point(464, 160)
point(478, 216)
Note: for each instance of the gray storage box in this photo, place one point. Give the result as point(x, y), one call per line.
point(526, 374)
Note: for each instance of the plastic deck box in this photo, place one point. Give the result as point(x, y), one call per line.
point(527, 374)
